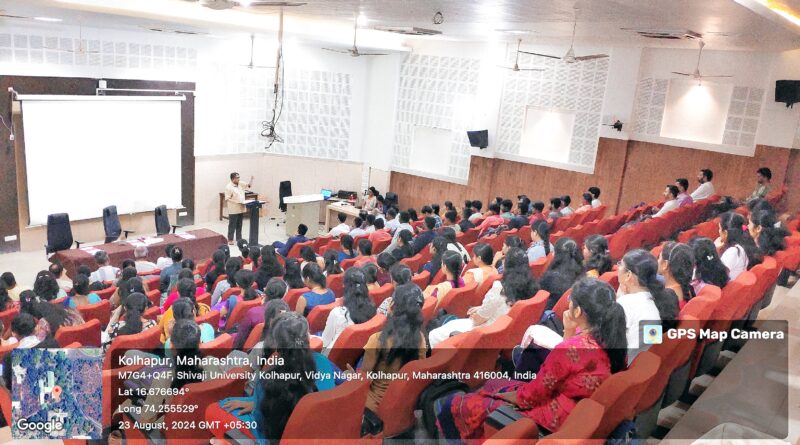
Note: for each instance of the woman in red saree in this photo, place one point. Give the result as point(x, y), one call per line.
point(594, 346)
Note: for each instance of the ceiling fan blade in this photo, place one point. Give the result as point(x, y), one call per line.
point(257, 66)
point(682, 74)
point(372, 54)
point(703, 76)
point(532, 69)
point(540, 55)
point(340, 51)
point(591, 57)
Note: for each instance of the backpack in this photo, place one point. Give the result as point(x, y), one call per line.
point(437, 390)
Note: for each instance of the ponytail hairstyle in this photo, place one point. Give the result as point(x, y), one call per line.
point(401, 274)
point(405, 236)
point(483, 252)
point(270, 267)
point(243, 247)
point(134, 307)
point(6, 301)
point(680, 262)
point(313, 273)
point(185, 341)
point(735, 227)
point(218, 259)
point(130, 286)
point(599, 259)
point(347, 244)
point(272, 309)
point(567, 259)
point(232, 266)
point(439, 245)
point(605, 316)
point(370, 271)
point(514, 241)
point(332, 266)
point(187, 263)
point(255, 255)
point(769, 238)
point(386, 261)
point(183, 309)
point(357, 303)
point(518, 282)
point(452, 263)
point(245, 278)
point(275, 289)
point(543, 230)
point(293, 276)
point(308, 255)
point(708, 266)
point(187, 289)
point(288, 339)
point(400, 338)
point(645, 267)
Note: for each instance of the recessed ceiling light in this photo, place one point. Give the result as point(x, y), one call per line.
point(245, 3)
point(361, 19)
point(48, 19)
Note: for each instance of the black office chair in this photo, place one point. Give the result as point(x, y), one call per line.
point(162, 221)
point(112, 226)
point(284, 190)
point(59, 234)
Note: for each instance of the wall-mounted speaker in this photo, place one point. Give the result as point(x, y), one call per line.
point(478, 139)
point(787, 91)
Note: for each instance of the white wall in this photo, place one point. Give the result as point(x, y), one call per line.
point(780, 126)
point(378, 136)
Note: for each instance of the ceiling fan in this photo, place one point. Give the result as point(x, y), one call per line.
point(354, 52)
point(696, 74)
point(570, 56)
point(81, 47)
point(228, 4)
point(516, 62)
point(252, 46)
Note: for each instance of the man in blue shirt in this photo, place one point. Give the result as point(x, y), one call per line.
point(171, 271)
point(284, 249)
point(426, 236)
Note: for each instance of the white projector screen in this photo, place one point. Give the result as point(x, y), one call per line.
point(430, 150)
point(696, 112)
point(547, 134)
point(84, 153)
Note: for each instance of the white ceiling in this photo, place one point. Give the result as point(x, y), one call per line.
point(725, 24)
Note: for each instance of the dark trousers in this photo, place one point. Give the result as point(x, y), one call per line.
point(235, 225)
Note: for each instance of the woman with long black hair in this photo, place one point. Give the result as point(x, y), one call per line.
point(451, 264)
point(597, 260)
point(676, 265)
point(593, 348)
point(357, 308)
point(483, 257)
point(540, 236)
point(762, 226)
point(270, 267)
point(293, 276)
point(319, 294)
point(232, 266)
point(215, 269)
point(567, 259)
point(738, 252)
point(133, 306)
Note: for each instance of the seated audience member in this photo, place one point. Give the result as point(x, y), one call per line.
point(400, 341)
point(127, 273)
point(342, 229)
point(520, 219)
point(232, 266)
point(142, 265)
point(492, 219)
point(404, 248)
point(292, 275)
point(567, 259)
point(358, 228)
point(517, 284)
point(739, 251)
point(437, 247)
point(392, 222)
point(505, 209)
point(169, 274)
point(332, 265)
point(643, 297)
point(270, 267)
point(425, 236)
point(6, 302)
point(676, 265)
point(385, 264)
point(356, 308)
point(307, 255)
point(51, 318)
point(274, 292)
point(370, 271)
point(57, 269)
point(448, 206)
point(428, 211)
point(454, 245)
point(764, 180)
point(370, 200)
point(84, 270)
point(81, 295)
point(555, 208)
point(597, 260)
point(706, 188)
point(369, 223)
point(379, 235)
point(587, 203)
point(46, 287)
point(509, 243)
point(105, 271)
point(593, 348)
point(186, 309)
point(466, 222)
point(244, 279)
point(482, 256)
point(683, 192)
point(401, 275)
point(763, 228)
point(670, 201)
point(22, 329)
point(318, 293)
point(595, 191)
point(185, 290)
point(537, 212)
point(566, 210)
point(215, 269)
point(165, 261)
point(540, 241)
point(244, 253)
point(451, 264)
point(476, 212)
point(348, 250)
point(450, 217)
point(284, 248)
point(254, 257)
point(364, 252)
point(708, 267)
point(556, 284)
point(127, 319)
point(404, 224)
point(436, 210)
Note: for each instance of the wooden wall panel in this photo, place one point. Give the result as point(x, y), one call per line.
point(792, 182)
point(650, 167)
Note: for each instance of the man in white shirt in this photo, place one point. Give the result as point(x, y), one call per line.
point(595, 191)
point(64, 282)
point(706, 188)
point(22, 328)
point(342, 228)
point(566, 210)
point(392, 223)
point(234, 196)
point(164, 262)
point(357, 230)
point(142, 265)
point(671, 203)
point(105, 271)
point(403, 225)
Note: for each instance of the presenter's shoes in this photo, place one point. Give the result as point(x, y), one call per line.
point(230, 243)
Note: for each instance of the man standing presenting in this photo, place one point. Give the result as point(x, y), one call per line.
point(234, 196)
